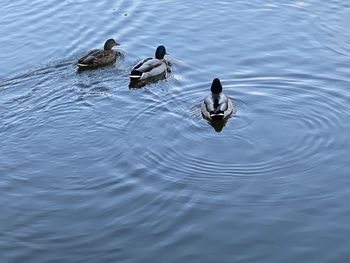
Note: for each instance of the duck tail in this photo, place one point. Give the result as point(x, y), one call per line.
point(217, 116)
point(83, 67)
point(85, 63)
point(135, 74)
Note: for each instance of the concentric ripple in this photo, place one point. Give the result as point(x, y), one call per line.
point(284, 128)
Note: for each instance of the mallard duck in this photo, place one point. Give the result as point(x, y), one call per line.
point(217, 106)
point(98, 57)
point(150, 67)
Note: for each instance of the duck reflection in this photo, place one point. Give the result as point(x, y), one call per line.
point(218, 125)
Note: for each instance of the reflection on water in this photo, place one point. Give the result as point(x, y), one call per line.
point(218, 125)
point(92, 171)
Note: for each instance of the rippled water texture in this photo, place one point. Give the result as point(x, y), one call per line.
point(92, 171)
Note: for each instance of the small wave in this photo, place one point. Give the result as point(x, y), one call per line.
point(281, 126)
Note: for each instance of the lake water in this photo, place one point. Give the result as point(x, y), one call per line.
point(92, 171)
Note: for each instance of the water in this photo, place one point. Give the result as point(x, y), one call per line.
point(92, 171)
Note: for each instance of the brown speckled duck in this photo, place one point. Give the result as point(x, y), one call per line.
point(99, 57)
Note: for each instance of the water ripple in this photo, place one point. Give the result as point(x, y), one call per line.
point(330, 27)
point(92, 171)
point(302, 113)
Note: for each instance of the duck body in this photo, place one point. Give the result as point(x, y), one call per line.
point(147, 68)
point(150, 67)
point(99, 57)
point(217, 106)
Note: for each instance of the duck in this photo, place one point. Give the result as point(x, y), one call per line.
point(216, 106)
point(150, 67)
point(99, 57)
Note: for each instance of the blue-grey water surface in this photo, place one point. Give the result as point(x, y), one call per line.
point(92, 171)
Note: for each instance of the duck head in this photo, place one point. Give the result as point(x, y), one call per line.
point(160, 52)
point(216, 87)
point(110, 43)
